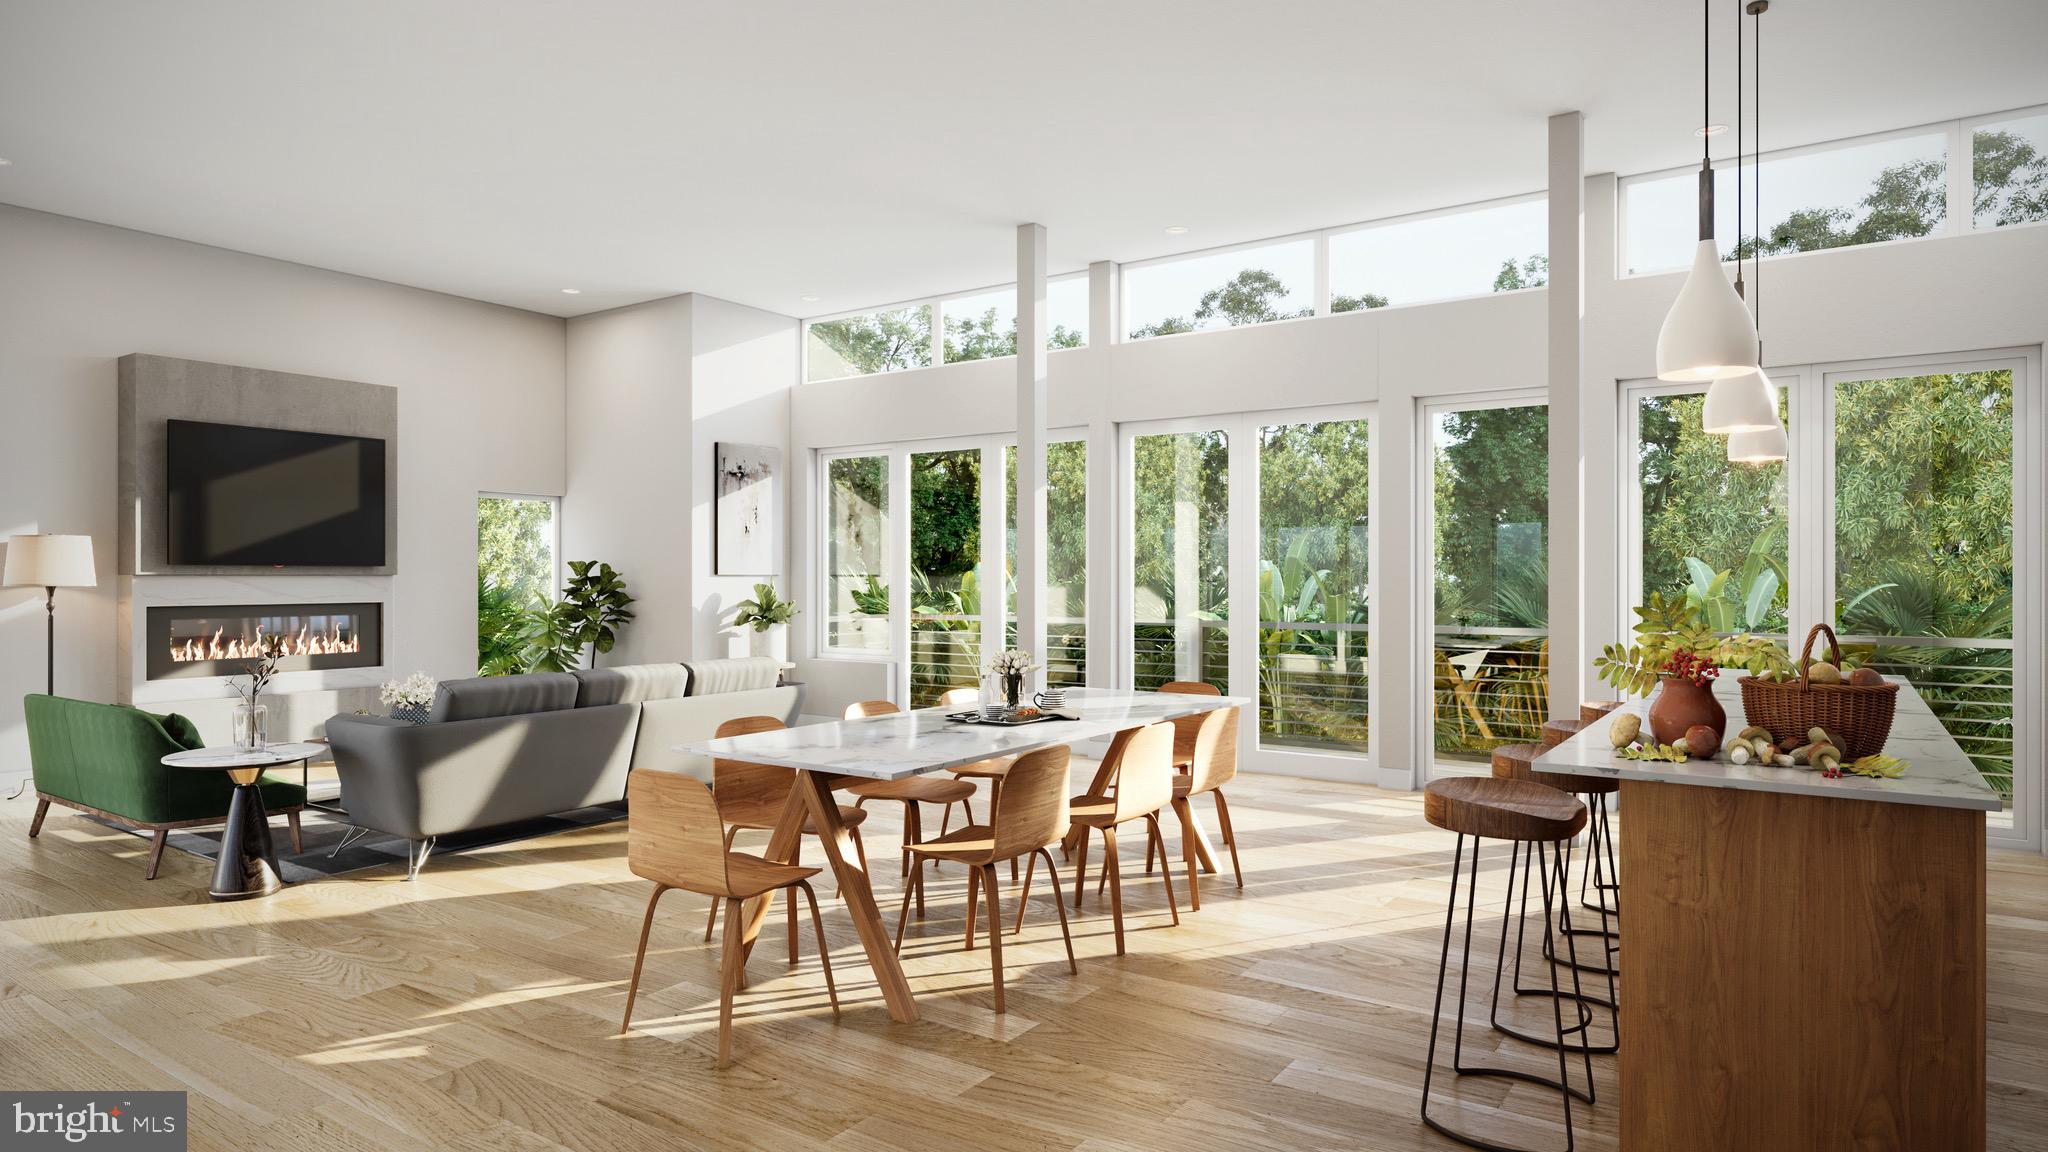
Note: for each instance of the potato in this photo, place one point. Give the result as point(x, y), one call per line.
point(1624, 729)
point(1702, 741)
point(1866, 677)
point(1822, 672)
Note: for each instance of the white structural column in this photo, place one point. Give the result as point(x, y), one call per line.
point(1566, 303)
point(1104, 316)
point(1031, 543)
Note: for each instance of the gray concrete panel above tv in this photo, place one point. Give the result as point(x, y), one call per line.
point(155, 389)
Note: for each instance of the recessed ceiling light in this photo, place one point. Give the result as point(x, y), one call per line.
point(572, 291)
point(1176, 229)
point(1710, 130)
point(810, 299)
point(4, 161)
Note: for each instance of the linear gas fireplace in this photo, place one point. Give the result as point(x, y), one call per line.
point(215, 639)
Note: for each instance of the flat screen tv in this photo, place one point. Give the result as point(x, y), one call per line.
point(264, 496)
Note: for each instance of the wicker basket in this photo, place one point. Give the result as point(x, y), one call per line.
point(1860, 716)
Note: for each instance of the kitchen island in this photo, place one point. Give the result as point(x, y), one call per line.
point(1802, 959)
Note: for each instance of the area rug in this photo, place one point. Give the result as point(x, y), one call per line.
point(322, 830)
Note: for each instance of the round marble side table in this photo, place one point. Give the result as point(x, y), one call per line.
point(248, 863)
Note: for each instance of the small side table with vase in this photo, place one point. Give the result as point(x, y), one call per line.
point(247, 866)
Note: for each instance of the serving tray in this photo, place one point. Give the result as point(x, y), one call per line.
point(1018, 722)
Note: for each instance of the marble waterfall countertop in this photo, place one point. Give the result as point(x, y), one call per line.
point(903, 744)
point(1937, 772)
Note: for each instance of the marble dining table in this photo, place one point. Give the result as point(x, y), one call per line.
point(900, 745)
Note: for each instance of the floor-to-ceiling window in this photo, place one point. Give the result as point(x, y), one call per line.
point(516, 543)
point(1314, 531)
point(1488, 496)
point(1066, 558)
point(1180, 556)
point(856, 554)
point(1921, 497)
point(946, 572)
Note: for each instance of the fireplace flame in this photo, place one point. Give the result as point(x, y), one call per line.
point(305, 642)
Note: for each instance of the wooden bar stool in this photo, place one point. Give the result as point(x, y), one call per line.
point(673, 837)
point(1543, 820)
point(753, 796)
point(1027, 814)
point(912, 792)
point(1591, 710)
point(1516, 762)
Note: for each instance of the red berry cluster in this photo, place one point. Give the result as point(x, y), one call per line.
point(1689, 665)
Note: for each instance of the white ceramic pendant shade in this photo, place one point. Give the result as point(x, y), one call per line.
point(1765, 446)
point(1708, 333)
point(1745, 403)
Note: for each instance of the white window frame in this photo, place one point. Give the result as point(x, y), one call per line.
point(555, 561)
point(1810, 513)
point(821, 550)
point(1967, 173)
point(1241, 430)
point(1428, 408)
point(937, 351)
point(1954, 152)
point(1329, 234)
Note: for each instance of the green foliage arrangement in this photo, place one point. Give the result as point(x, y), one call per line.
point(1668, 626)
point(596, 605)
point(765, 610)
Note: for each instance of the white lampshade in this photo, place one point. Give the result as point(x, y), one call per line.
point(49, 562)
point(1708, 333)
point(1745, 403)
point(1764, 446)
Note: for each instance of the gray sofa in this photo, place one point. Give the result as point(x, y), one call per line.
point(505, 748)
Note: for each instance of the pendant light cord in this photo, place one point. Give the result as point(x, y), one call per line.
point(1706, 189)
point(1756, 183)
point(1738, 147)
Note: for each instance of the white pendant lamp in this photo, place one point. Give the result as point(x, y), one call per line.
point(1708, 334)
point(1745, 403)
point(1769, 444)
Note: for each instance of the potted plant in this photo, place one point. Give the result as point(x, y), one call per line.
point(1677, 656)
point(764, 612)
point(594, 605)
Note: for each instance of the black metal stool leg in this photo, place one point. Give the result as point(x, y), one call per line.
point(1562, 1084)
point(1584, 1005)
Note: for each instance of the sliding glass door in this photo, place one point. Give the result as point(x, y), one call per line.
point(1248, 569)
point(946, 572)
point(1488, 493)
point(1066, 558)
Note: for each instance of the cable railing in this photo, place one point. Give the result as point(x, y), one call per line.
point(1968, 685)
point(1313, 688)
point(1491, 687)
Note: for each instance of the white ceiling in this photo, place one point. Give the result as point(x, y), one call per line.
point(865, 152)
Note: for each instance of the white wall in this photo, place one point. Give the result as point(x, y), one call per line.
point(1938, 295)
point(651, 389)
point(480, 408)
point(629, 449)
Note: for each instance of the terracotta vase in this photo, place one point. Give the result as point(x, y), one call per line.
point(1680, 704)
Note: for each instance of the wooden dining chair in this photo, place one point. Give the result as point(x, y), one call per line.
point(912, 792)
point(752, 796)
point(1212, 764)
point(1027, 815)
point(959, 700)
point(673, 838)
point(1140, 764)
point(1185, 727)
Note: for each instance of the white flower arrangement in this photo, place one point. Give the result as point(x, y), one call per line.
point(1014, 662)
point(415, 691)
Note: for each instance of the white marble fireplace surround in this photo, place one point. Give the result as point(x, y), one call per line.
point(300, 702)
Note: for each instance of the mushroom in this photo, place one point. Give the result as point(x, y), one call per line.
point(1739, 750)
point(1624, 729)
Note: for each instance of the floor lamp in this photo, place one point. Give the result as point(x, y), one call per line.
point(50, 563)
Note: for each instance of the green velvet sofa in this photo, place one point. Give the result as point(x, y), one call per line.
point(105, 759)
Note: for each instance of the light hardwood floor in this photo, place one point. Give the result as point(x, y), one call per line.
point(478, 1007)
